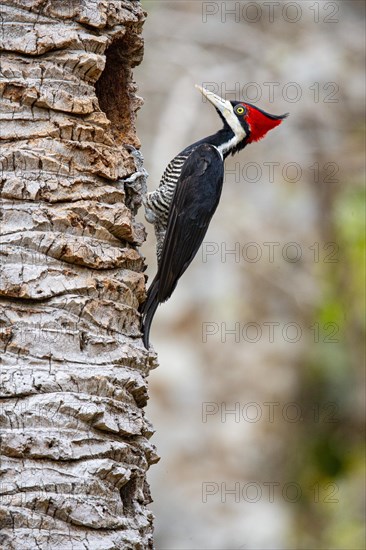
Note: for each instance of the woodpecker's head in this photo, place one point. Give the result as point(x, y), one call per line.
point(246, 122)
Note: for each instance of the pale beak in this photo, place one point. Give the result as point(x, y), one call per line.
point(227, 111)
point(222, 105)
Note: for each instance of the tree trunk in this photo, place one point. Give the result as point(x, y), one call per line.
point(75, 444)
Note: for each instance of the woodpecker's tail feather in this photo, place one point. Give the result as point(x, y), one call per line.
point(148, 311)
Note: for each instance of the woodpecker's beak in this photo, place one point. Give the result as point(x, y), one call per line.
point(222, 105)
point(226, 109)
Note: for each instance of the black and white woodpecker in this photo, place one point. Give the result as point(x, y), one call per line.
point(182, 206)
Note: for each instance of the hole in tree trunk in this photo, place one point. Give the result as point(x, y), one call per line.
point(128, 494)
point(115, 87)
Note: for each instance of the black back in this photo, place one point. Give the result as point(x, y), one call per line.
point(195, 200)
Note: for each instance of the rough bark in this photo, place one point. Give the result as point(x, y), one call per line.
point(74, 441)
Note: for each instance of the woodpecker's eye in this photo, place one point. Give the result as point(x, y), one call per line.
point(240, 110)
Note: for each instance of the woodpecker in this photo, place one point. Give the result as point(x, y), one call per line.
point(182, 206)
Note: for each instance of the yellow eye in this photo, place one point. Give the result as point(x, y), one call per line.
point(240, 110)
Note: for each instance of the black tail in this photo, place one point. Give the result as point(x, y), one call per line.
point(148, 311)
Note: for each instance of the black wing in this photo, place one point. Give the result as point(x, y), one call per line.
point(195, 200)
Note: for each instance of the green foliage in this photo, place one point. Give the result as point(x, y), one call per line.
point(331, 448)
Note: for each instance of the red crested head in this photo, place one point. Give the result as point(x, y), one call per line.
point(260, 122)
point(243, 123)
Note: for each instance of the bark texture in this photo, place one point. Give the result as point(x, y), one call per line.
point(74, 441)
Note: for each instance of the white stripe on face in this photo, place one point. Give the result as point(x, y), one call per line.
point(227, 111)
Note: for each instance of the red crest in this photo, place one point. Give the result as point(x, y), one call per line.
point(260, 122)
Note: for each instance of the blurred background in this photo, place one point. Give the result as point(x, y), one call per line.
point(258, 402)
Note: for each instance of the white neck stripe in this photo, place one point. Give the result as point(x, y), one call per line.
point(237, 128)
point(224, 147)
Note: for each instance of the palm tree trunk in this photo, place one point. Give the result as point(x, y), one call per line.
point(74, 441)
